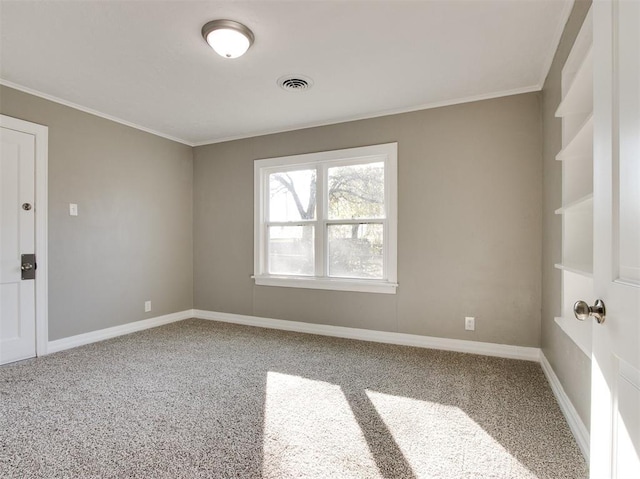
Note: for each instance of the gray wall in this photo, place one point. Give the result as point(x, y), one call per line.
point(469, 231)
point(132, 240)
point(572, 367)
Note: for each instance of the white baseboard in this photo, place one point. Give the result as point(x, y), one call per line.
point(459, 345)
point(102, 334)
point(579, 430)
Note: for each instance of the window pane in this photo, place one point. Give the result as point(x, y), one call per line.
point(292, 195)
point(356, 191)
point(291, 250)
point(356, 251)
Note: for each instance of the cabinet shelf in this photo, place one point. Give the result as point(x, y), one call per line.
point(579, 96)
point(579, 332)
point(584, 202)
point(581, 145)
point(576, 155)
point(581, 269)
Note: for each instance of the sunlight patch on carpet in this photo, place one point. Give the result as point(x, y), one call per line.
point(439, 440)
point(310, 431)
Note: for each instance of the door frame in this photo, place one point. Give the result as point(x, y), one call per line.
point(41, 135)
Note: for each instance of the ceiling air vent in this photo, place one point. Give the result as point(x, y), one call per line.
point(295, 82)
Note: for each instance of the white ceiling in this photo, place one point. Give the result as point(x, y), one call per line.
point(145, 62)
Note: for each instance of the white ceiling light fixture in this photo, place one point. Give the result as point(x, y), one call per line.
point(228, 39)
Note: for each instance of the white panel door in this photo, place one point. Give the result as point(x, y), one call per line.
point(17, 237)
point(615, 383)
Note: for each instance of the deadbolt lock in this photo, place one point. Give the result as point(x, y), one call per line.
point(28, 266)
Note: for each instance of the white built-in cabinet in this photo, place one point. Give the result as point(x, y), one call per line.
point(576, 156)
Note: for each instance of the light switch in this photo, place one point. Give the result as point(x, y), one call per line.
point(73, 209)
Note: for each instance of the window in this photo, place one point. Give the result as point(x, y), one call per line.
point(328, 220)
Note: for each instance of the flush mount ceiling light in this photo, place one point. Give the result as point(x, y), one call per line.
point(229, 39)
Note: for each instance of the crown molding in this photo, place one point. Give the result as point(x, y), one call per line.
point(397, 111)
point(336, 121)
point(91, 111)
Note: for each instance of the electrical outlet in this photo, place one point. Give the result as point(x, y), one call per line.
point(470, 323)
point(147, 306)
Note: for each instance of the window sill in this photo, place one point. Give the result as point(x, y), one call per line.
point(335, 284)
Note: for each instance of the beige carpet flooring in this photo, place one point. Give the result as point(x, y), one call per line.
point(199, 399)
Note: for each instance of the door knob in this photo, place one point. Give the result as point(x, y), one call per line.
point(26, 266)
point(582, 310)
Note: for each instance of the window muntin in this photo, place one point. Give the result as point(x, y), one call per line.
point(328, 220)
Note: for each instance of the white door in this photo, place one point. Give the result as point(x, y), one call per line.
point(17, 237)
point(615, 382)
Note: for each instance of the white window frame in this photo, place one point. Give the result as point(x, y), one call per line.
point(387, 153)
